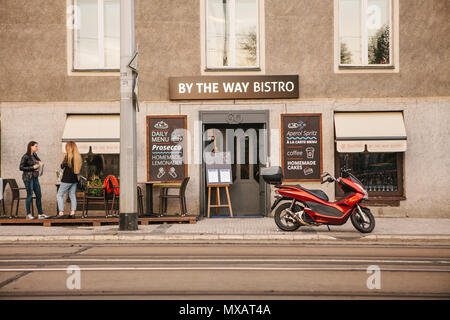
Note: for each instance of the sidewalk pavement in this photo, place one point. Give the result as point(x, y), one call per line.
point(404, 230)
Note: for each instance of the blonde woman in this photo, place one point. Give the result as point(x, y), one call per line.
point(72, 166)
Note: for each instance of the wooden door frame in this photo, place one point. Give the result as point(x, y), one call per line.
point(228, 117)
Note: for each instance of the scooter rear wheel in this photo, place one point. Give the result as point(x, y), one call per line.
point(283, 220)
point(363, 224)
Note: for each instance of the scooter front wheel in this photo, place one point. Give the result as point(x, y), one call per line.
point(364, 224)
point(284, 220)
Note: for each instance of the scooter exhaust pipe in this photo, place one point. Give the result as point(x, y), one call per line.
point(298, 217)
point(303, 221)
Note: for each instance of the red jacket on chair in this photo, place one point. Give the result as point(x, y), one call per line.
point(115, 184)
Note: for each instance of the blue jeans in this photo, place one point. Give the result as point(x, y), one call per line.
point(63, 188)
point(33, 186)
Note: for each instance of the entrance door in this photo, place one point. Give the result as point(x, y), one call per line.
point(244, 142)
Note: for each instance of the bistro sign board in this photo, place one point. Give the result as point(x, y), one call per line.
point(166, 150)
point(301, 145)
point(234, 87)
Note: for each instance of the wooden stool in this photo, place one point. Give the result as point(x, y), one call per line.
point(218, 205)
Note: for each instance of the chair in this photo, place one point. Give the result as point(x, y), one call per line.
point(116, 199)
point(2, 200)
point(164, 196)
point(96, 199)
point(113, 197)
point(16, 196)
point(140, 196)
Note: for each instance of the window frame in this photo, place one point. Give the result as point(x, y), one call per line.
point(380, 198)
point(101, 42)
point(394, 50)
point(260, 57)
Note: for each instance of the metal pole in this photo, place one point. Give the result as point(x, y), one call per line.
point(128, 172)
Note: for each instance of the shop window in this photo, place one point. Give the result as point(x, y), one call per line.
point(96, 35)
point(365, 33)
point(99, 166)
point(380, 173)
point(232, 34)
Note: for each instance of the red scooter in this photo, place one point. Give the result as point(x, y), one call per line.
point(312, 207)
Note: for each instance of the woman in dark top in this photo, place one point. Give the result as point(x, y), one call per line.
point(72, 166)
point(30, 164)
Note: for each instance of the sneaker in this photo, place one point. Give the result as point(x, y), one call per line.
point(30, 217)
point(43, 216)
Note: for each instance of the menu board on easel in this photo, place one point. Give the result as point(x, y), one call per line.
point(218, 168)
point(166, 152)
point(301, 145)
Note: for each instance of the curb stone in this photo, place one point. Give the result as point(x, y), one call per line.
point(405, 237)
point(166, 237)
point(129, 237)
point(105, 237)
point(219, 237)
point(151, 237)
point(305, 237)
point(324, 237)
point(9, 238)
point(74, 238)
point(258, 237)
point(58, 238)
point(201, 237)
point(231, 237)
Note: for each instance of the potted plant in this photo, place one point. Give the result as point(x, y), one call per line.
point(95, 187)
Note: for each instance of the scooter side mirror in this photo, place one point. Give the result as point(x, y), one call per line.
point(324, 174)
point(329, 179)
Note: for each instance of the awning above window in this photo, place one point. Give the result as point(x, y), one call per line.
point(378, 131)
point(99, 132)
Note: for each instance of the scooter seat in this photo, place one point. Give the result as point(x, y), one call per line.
point(318, 193)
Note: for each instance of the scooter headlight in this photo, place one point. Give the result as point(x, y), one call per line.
point(366, 195)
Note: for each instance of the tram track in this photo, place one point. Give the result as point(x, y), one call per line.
point(222, 295)
point(112, 271)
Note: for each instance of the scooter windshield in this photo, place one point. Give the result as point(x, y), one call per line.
point(354, 179)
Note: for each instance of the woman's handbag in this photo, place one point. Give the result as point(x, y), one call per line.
point(81, 184)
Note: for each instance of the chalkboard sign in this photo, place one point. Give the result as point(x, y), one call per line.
point(218, 168)
point(166, 152)
point(301, 136)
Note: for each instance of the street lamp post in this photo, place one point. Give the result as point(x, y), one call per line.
point(128, 172)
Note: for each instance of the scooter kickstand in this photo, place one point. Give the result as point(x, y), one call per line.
point(328, 228)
